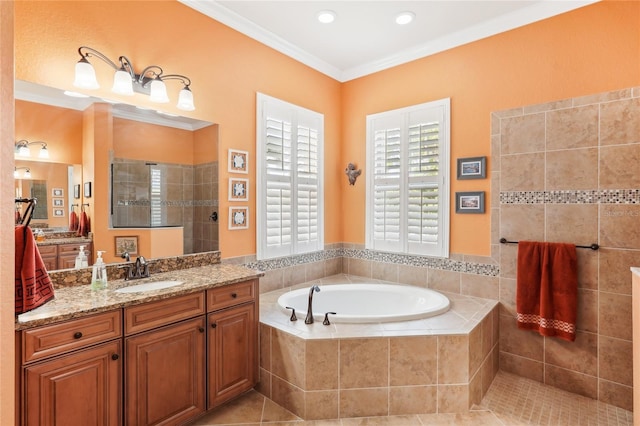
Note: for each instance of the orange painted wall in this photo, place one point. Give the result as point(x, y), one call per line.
point(226, 67)
point(590, 50)
point(203, 140)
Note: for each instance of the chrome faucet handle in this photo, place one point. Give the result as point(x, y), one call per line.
point(293, 313)
point(326, 318)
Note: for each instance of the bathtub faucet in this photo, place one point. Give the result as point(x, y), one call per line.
point(309, 317)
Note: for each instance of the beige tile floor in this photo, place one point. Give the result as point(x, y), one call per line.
point(511, 401)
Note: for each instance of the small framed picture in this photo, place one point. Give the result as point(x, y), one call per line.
point(87, 189)
point(238, 189)
point(472, 168)
point(58, 212)
point(58, 202)
point(238, 161)
point(126, 244)
point(76, 191)
point(57, 192)
point(238, 218)
point(470, 202)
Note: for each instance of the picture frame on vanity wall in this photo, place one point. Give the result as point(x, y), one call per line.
point(470, 202)
point(57, 192)
point(76, 191)
point(238, 161)
point(58, 202)
point(472, 168)
point(238, 218)
point(238, 189)
point(127, 244)
point(58, 212)
point(87, 190)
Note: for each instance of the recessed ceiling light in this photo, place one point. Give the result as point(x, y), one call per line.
point(404, 18)
point(326, 16)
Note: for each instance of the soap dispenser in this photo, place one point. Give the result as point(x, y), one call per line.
point(99, 274)
point(81, 259)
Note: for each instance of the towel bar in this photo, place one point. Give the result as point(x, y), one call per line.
point(593, 246)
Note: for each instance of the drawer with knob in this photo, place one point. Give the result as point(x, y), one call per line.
point(43, 342)
point(231, 295)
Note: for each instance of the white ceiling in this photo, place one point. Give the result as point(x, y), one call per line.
point(364, 37)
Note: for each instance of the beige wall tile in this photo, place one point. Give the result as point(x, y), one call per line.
point(453, 398)
point(588, 268)
point(495, 189)
point(494, 163)
point(521, 222)
point(616, 360)
point(265, 347)
point(293, 275)
point(620, 122)
point(521, 366)
point(508, 256)
point(413, 361)
point(364, 402)
point(321, 405)
point(314, 270)
point(508, 296)
point(413, 400)
point(321, 364)
point(287, 357)
point(572, 223)
point(615, 315)
point(480, 286)
point(616, 394)
point(524, 343)
point(272, 280)
point(615, 274)
point(487, 373)
point(572, 169)
point(264, 383)
point(442, 280)
point(602, 97)
point(587, 310)
point(385, 271)
point(522, 172)
point(495, 127)
point(618, 166)
point(522, 134)
point(580, 355)
point(486, 326)
point(288, 396)
point(476, 354)
point(572, 128)
point(619, 226)
point(571, 381)
point(332, 266)
point(453, 354)
point(364, 363)
point(413, 275)
point(475, 389)
point(359, 267)
point(548, 106)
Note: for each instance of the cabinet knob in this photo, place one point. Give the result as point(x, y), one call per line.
point(201, 329)
point(214, 325)
point(115, 357)
point(234, 295)
point(77, 335)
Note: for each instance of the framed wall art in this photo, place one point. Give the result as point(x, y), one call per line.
point(472, 168)
point(470, 202)
point(238, 161)
point(87, 189)
point(76, 191)
point(238, 218)
point(58, 212)
point(128, 244)
point(57, 192)
point(58, 202)
point(238, 189)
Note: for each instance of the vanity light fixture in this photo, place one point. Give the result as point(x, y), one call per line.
point(22, 148)
point(125, 80)
point(326, 16)
point(25, 175)
point(405, 18)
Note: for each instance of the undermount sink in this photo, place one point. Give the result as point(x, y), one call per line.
point(156, 285)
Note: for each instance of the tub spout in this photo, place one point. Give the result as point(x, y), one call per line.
point(309, 317)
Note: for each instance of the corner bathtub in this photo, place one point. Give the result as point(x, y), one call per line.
point(367, 303)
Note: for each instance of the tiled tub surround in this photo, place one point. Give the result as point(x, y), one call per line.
point(442, 364)
point(566, 171)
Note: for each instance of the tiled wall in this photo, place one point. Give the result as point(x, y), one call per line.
point(567, 171)
point(205, 202)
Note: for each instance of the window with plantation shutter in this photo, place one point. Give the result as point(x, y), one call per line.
point(289, 181)
point(408, 180)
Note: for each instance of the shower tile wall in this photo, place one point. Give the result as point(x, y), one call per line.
point(567, 171)
point(205, 202)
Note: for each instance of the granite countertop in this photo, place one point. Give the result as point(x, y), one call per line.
point(69, 240)
point(78, 301)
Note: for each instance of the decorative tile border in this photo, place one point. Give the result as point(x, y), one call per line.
point(603, 196)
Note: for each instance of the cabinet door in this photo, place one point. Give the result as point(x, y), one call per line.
point(82, 388)
point(232, 353)
point(165, 374)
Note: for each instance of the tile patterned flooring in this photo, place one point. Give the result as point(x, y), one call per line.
point(511, 401)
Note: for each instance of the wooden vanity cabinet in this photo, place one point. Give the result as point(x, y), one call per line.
point(67, 254)
point(165, 361)
point(49, 256)
point(72, 372)
point(232, 341)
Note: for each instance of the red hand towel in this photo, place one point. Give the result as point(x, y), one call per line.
point(73, 221)
point(547, 289)
point(32, 283)
point(84, 226)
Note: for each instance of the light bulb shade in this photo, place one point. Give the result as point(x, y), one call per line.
point(16, 175)
point(122, 83)
point(27, 174)
point(44, 152)
point(23, 151)
point(185, 100)
point(85, 76)
point(158, 92)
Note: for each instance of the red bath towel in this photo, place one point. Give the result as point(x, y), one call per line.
point(84, 226)
point(73, 221)
point(547, 289)
point(32, 283)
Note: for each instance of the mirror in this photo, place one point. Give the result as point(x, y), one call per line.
point(138, 138)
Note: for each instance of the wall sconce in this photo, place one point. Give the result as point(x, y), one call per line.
point(25, 175)
point(125, 80)
point(22, 148)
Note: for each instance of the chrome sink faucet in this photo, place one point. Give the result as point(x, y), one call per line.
point(137, 269)
point(309, 318)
